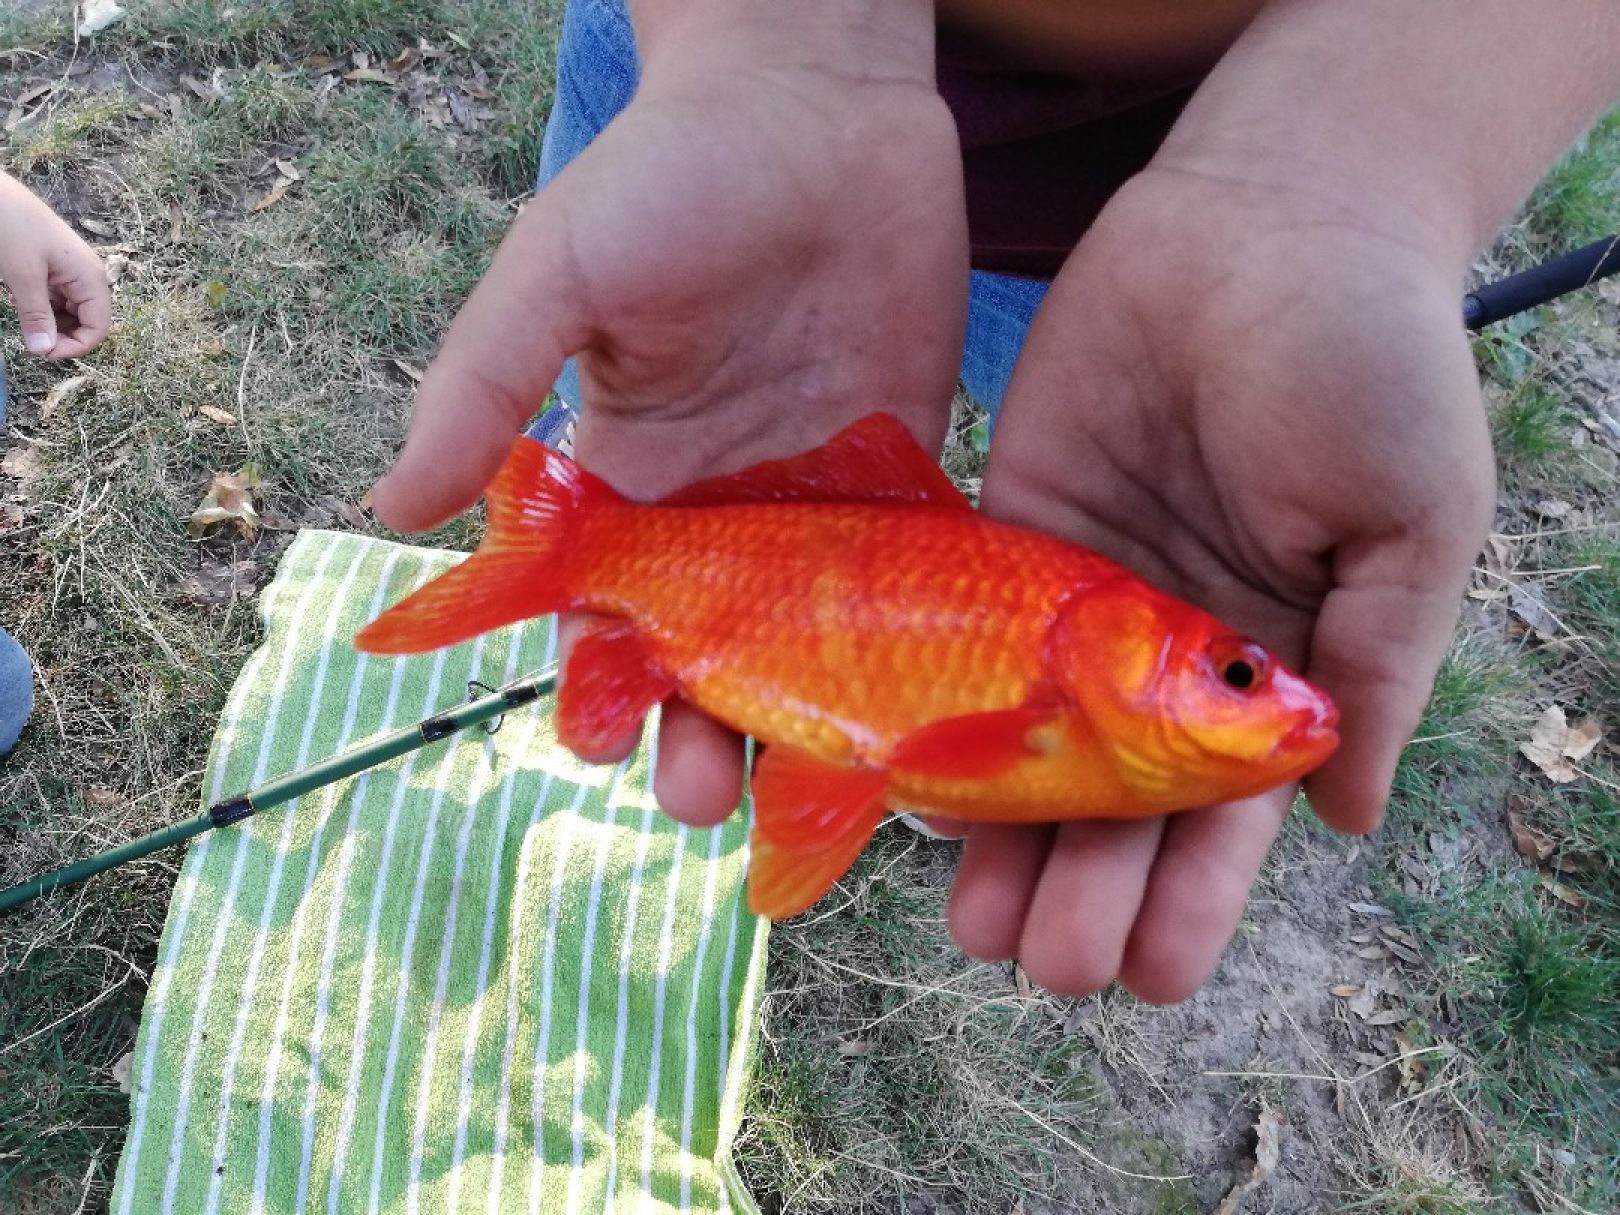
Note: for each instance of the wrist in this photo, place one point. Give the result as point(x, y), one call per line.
point(859, 40)
point(1404, 119)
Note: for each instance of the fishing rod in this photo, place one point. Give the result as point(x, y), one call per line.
point(1491, 303)
point(363, 755)
point(1540, 284)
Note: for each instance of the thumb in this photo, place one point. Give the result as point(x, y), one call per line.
point(32, 296)
point(499, 359)
point(1379, 641)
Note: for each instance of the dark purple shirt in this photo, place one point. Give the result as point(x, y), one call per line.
point(1043, 152)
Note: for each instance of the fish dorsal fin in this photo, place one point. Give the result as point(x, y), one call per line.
point(873, 460)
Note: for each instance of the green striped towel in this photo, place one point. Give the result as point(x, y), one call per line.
point(482, 978)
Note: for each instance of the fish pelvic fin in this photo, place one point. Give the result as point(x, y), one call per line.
point(811, 820)
point(609, 685)
point(522, 569)
point(977, 746)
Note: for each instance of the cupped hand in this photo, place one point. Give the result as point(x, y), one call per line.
point(1264, 403)
point(743, 262)
point(57, 282)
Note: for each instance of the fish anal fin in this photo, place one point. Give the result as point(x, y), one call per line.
point(811, 820)
point(609, 685)
point(977, 745)
point(872, 460)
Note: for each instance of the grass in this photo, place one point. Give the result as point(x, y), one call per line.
point(893, 1075)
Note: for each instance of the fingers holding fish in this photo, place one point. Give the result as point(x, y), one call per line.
point(1378, 644)
point(1085, 902)
point(700, 766)
point(995, 881)
point(1196, 891)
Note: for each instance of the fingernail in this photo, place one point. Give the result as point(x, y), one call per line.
point(40, 343)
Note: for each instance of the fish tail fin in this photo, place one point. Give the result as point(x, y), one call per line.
point(522, 569)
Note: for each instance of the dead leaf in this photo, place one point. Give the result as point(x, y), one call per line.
point(409, 372)
point(1527, 600)
point(352, 515)
point(1405, 953)
point(1373, 953)
point(103, 798)
point(407, 59)
point(1555, 746)
point(1410, 1064)
point(22, 462)
point(1392, 933)
point(277, 193)
point(205, 92)
point(11, 515)
point(62, 393)
point(122, 1071)
point(95, 16)
point(1345, 990)
point(369, 76)
point(1390, 1016)
point(1553, 508)
point(1561, 892)
point(219, 582)
point(215, 414)
point(151, 111)
point(1267, 1154)
point(855, 1047)
point(1021, 981)
point(1527, 841)
point(229, 500)
point(1369, 909)
point(176, 221)
point(287, 169)
point(321, 63)
point(1577, 862)
point(28, 96)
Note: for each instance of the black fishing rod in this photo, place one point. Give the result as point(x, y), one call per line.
point(1541, 284)
point(1491, 303)
point(356, 759)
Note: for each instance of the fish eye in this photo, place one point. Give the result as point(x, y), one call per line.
point(1241, 665)
point(1239, 674)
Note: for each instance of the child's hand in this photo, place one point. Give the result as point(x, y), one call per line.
point(56, 280)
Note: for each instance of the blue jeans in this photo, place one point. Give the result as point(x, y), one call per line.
point(16, 672)
point(597, 70)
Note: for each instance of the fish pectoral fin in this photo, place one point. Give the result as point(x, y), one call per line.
point(872, 460)
point(811, 820)
point(977, 745)
point(609, 685)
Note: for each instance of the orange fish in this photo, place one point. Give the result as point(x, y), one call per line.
point(892, 647)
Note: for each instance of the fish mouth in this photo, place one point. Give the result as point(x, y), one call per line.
point(1316, 735)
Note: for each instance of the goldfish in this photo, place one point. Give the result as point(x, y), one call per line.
point(891, 647)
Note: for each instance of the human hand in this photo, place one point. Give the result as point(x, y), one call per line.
point(1265, 403)
point(756, 252)
point(56, 281)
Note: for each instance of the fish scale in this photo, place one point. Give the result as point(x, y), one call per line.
point(799, 596)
